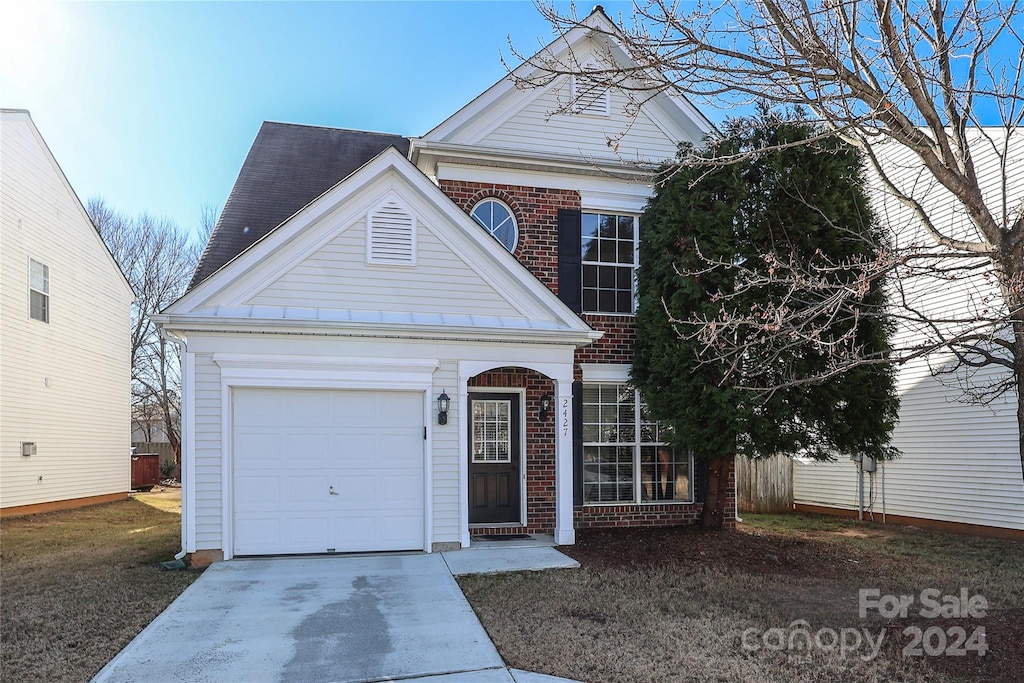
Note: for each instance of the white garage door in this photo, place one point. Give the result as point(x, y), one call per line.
point(318, 471)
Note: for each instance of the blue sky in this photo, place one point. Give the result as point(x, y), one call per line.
point(153, 105)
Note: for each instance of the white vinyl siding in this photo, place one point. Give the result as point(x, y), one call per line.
point(446, 457)
point(960, 461)
point(337, 276)
point(535, 129)
point(65, 384)
point(209, 483)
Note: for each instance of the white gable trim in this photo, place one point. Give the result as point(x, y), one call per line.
point(485, 113)
point(349, 201)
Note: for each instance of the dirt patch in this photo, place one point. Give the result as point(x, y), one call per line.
point(674, 604)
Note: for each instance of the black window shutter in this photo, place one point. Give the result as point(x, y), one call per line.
point(577, 443)
point(570, 285)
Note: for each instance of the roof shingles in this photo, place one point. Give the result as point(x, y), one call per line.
point(287, 167)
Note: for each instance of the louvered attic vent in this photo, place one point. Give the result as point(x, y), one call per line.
point(590, 98)
point(391, 236)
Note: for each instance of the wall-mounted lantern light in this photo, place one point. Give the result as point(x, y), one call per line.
point(545, 406)
point(443, 402)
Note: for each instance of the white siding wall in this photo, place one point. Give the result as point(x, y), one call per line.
point(65, 385)
point(337, 276)
point(639, 139)
point(960, 460)
point(208, 449)
point(445, 455)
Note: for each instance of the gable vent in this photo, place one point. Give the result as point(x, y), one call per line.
point(590, 98)
point(391, 235)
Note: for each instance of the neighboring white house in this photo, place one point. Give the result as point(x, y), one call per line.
point(960, 467)
point(357, 280)
point(64, 338)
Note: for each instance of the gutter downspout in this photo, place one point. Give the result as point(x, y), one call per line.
point(181, 364)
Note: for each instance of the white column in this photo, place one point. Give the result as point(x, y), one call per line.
point(565, 532)
point(188, 451)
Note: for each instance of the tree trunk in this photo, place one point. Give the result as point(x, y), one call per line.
point(1018, 376)
point(714, 494)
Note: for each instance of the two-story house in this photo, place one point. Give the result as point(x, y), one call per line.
point(396, 343)
point(65, 357)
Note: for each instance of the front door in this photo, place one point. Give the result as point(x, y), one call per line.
point(494, 458)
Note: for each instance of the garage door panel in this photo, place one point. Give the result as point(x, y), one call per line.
point(401, 491)
point(314, 445)
point(354, 490)
point(252, 532)
point(291, 446)
point(253, 493)
point(349, 409)
point(397, 530)
point(352, 450)
point(256, 448)
point(255, 408)
point(303, 532)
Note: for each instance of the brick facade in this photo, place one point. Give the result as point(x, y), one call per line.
point(540, 448)
point(536, 213)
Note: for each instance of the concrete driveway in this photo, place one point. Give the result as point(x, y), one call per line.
point(371, 618)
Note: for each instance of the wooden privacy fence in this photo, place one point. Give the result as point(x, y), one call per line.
point(164, 450)
point(764, 485)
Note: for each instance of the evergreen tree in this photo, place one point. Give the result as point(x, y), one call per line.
point(757, 235)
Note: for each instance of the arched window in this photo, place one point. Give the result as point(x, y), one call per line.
point(498, 220)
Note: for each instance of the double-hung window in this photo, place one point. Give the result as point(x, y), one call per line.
point(38, 291)
point(626, 457)
point(609, 262)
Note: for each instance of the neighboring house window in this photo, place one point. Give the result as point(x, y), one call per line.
point(609, 260)
point(39, 291)
point(497, 219)
point(620, 441)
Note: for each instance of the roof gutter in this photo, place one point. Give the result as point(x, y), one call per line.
point(502, 335)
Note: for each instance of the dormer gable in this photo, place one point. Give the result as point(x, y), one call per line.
point(566, 120)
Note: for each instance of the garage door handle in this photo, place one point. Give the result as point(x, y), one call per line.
point(333, 492)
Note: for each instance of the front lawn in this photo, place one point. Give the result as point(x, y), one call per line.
point(77, 585)
point(681, 605)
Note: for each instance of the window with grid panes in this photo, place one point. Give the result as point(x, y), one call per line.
point(609, 261)
point(38, 291)
point(492, 431)
point(625, 455)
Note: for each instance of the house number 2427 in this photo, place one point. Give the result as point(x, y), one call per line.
point(565, 417)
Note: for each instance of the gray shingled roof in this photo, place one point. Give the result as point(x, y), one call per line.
point(287, 167)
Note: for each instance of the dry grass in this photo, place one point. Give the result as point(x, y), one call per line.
point(77, 585)
point(672, 605)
